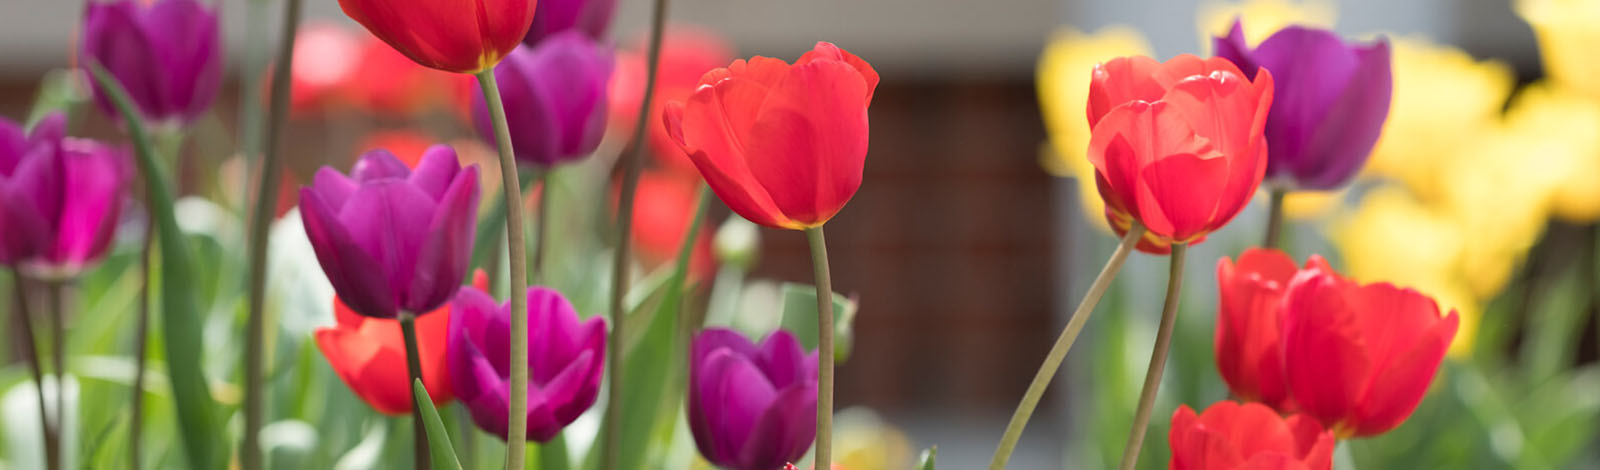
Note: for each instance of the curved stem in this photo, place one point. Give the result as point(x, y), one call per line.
point(58, 356)
point(260, 221)
point(609, 453)
point(517, 427)
point(408, 329)
point(1158, 360)
point(52, 453)
point(819, 269)
point(1058, 352)
point(141, 344)
point(1274, 219)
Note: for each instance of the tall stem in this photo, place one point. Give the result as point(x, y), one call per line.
point(58, 356)
point(52, 452)
point(819, 269)
point(140, 345)
point(541, 220)
point(517, 427)
point(619, 267)
point(419, 435)
point(1158, 360)
point(260, 220)
point(1274, 219)
point(1058, 352)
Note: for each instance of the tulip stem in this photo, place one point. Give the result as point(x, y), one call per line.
point(541, 229)
point(52, 454)
point(408, 329)
point(1158, 359)
point(1274, 219)
point(609, 451)
point(141, 344)
point(1058, 352)
point(260, 221)
point(58, 355)
point(517, 426)
point(819, 268)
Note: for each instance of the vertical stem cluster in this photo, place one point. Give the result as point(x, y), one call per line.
point(609, 453)
point(52, 452)
point(408, 329)
point(541, 228)
point(1158, 360)
point(58, 356)
point(141, 343)
point(518, 424)
point(819, 269)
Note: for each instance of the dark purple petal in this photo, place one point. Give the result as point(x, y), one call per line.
point(387, 219)
point(40, 178)
point(711, 339)
point(94, 179)
point(552, 333)
point(746, 394)
point(436, 171)
point(13, 145)
point(378, 164)
point(445, 248)
point(185, 36)
point(356, 277)
point(1352, 127)
point(555, 98)
point(558, 399)
point(113, 37)
point(26, 231)
point(591, 17)
point(51, 128)
point(706, 406)
point(785, 430)
point(1237, 50)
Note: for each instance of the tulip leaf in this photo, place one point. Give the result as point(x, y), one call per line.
point(1555, 325)
point(927, 458)
point(800, 318)
point(442, 454)
point(203, 440)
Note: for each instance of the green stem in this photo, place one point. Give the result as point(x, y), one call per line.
point(58, 355)
point(1274, 219)
point(1158, 360)
point(517, 427)
point(687, 322)
point(541, 230)
point(141, 344)
point(260, 222)
point(408, 329)
point(1058, 352)
point(609, 453)
point(52, 452)
point(819, 268)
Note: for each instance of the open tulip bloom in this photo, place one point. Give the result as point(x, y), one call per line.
point(370, 357)
point(1230, 436)
point(1248, 344)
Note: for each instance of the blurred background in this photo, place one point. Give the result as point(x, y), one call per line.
point(968, 243)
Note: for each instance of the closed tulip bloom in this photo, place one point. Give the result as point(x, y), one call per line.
point(1332, 99)
point(462, 36)
point(369, 354)
point(783, 145)
point(166, 53)
point(555, 99)
point(1176, 146)
point(565, 360)
point(1229, 436)
point(589, 17)
point(60, 198)
point(751, 407)
point(390, 238)
point(1360, 357)
point(1248, 347)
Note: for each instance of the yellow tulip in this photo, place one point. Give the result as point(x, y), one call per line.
point(1568, 31)
point(1063, 83)
point(1559, 126)
point(1261, 18)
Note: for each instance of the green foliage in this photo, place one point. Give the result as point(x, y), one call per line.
point(443, 454)
point(800, 317)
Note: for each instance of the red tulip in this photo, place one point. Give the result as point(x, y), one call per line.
point(463, 36)
point(687, 53)
point(1248, 351)
point(783, 145)
point(1360, 357)
point(1176, 146)
point(369, 354)
point(663, 210)
point(1250, 436)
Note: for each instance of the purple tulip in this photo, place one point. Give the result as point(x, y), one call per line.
point(751, 407)
point(390, 238)
point(555, 98)
point(60, 198)
point(565, 360)
point(1329, 107)
point(167, 53)
point(590, 17)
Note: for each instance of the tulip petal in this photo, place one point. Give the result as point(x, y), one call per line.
point(711, 339)
point(94, 178)
point(745, 395)
point(809, 142)
point(1314, 445)
point(443, 255)
point(14, 144)
point(1130, 138)
point(573, 86)
point(1351, 127)
point(348, 266)
point(784, 431)
point(333, 187)
point(827, 51)
point(700, 127)
point(783, 360)
point(436, 171)
point(378, 164)
point(348, 355)
point(184, 34)
point(1178, 194)
point(561, 399)
point(1247, 341)
point(1400, 384)
point(554, 322)
point(1194, 446)
point(112, 35)
point(1120, 81)
point(1236, 49)
point(433, 337)
point(1325, 362)
point(707, 404)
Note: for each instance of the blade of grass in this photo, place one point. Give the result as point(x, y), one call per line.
point(443, 454)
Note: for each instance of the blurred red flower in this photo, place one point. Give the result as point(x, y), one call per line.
point(1229, 436)
point(687, 53)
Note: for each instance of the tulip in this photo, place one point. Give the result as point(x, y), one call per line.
point(1248, 347)
point(687, 53)
point(450, 35)
point(1360, 357)
point(1332, 101)
point(555, 99)
point(782, 145)
point(1229, 436)
point(369, 354)
point(325, 58)
point(565, 360)
point(1176, 146)
point(386, 82)
point(751, 407)
point(390, 238)
point(589, 17)
point(664, 208)
point(60, 198)
point(166, 53)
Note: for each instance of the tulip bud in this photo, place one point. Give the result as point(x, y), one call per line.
point(60, 198)
point(751, 406)
point(166, 53)
point(555, 99)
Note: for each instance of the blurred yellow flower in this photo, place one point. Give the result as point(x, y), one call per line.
point(1063, 84)
point(1562, 130)
point(1310, 204)
point(1261, 18)
point(863, 441)
point(1568, 31)
point(1440, 95)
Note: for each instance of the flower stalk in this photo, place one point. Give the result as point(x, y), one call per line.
point(819, 269)
point(52, 452)
point(408, 329)
point(518, 413)
point(1274, 219)
point(1158, 359)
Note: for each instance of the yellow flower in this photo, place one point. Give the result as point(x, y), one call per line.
point(1306, 205)
point(1559, 127)
point(1440, 95)
point(866, 442)
point(1261, 18)
point(1568, 31)
point(1063, 83)
point(1498, 192)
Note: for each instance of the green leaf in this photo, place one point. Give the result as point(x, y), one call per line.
point(927, 458)
point(203, 441)
point(1555, 325)
point(443, 455)
point(800, 318)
